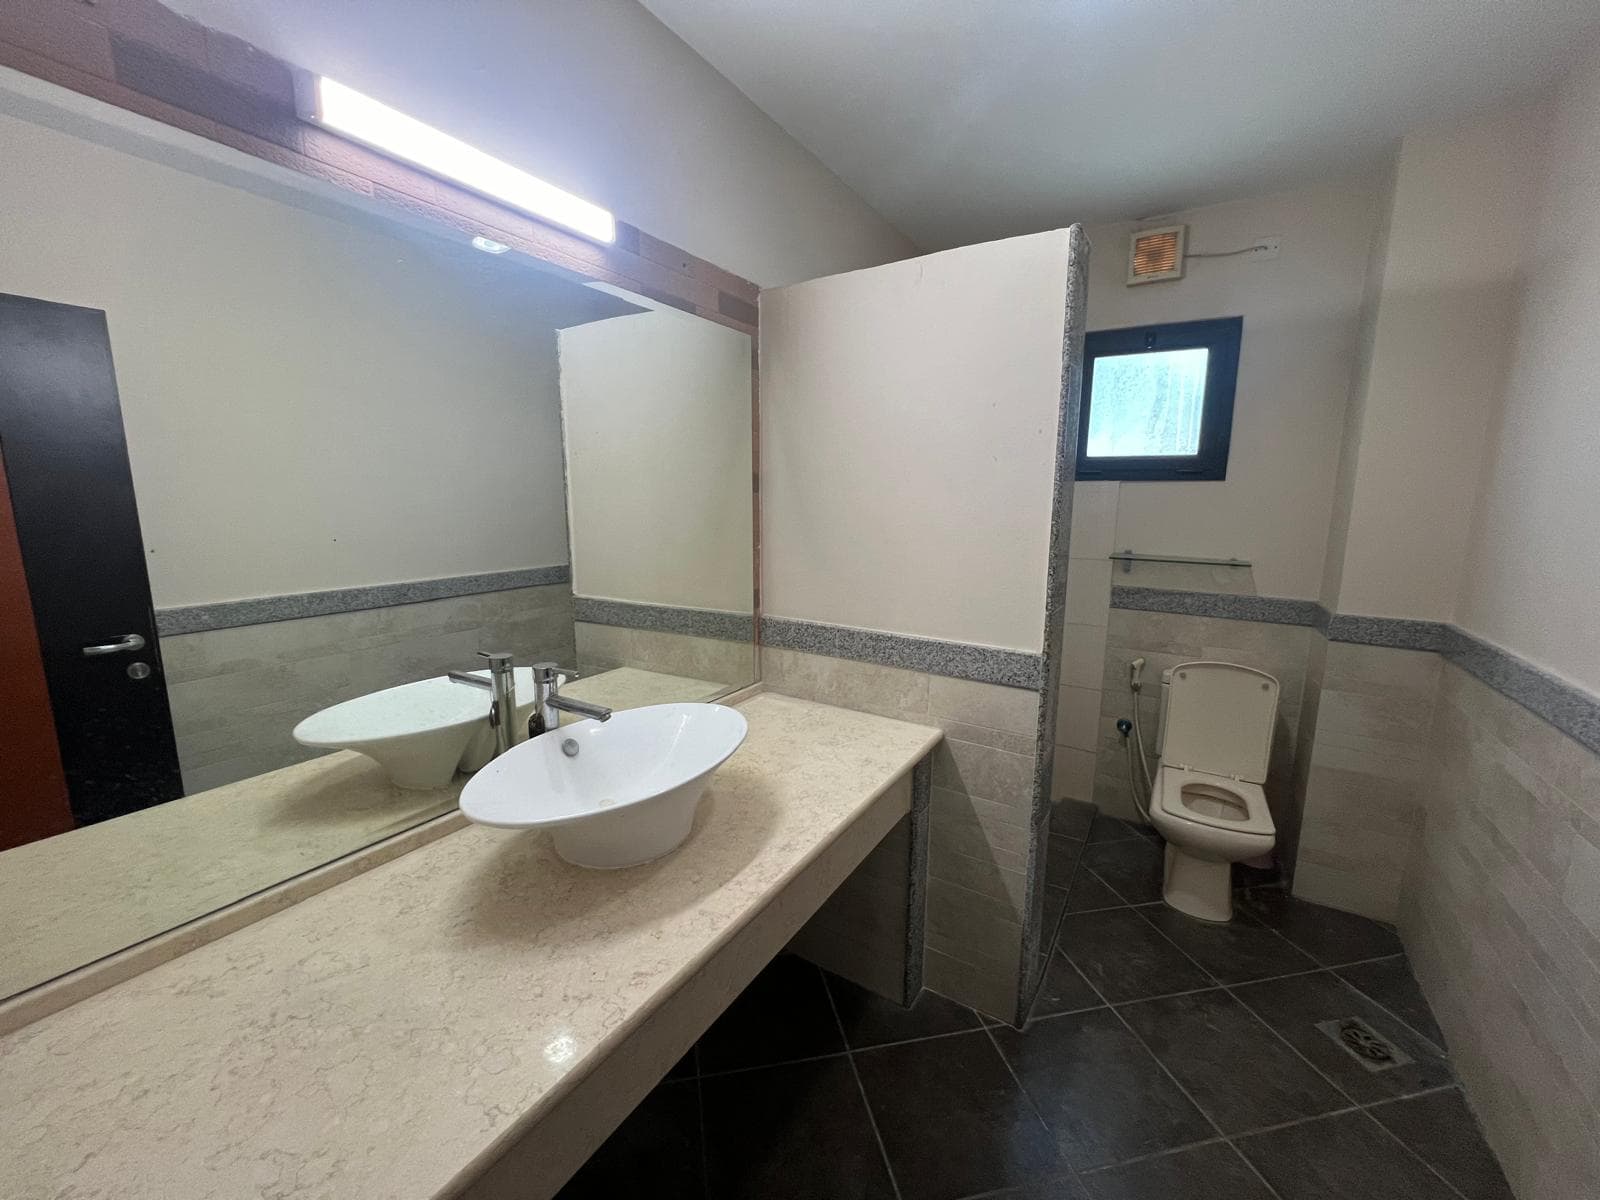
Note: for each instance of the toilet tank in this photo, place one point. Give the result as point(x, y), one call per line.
point(1217, 717)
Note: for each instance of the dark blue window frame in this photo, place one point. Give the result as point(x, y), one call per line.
point(1221, 337)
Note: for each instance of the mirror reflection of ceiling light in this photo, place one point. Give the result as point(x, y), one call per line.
point(345, 111)
point(489, 245)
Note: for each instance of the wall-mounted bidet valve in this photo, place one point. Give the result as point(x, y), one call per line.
point(549, 703)
point(502, 682)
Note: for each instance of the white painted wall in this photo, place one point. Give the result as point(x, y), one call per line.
point(598, 97)
point(1301, 313)
point(310, 403)
point(1448, 288)
point(1532, 580)
point(657, 414)
point(908, 424)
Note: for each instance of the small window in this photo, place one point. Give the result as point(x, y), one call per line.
point(1158, 401)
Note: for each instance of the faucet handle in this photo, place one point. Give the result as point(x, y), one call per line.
point(497, 658)
point(546, 672)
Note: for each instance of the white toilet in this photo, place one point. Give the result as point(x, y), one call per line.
point(1214, 743)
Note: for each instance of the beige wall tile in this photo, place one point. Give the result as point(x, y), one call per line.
point(991, 989)
point(1078, 717)
point(986, 772)
point(1501, 914)
point(1011, 710)
point(1088, 591)
point(883, 691)
point(1094, 518)
point(1073, 777)
point(1083, 655)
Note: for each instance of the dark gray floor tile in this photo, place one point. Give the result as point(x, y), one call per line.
point(1131, 868)
point(1237, 952)
point(1061, 860)
point(1088, 893)
point(1236, 1069)
point(953, 1121)
point(1072, 818)
point(1330, 936)
point(1389, 981)
point(1440, 1127)
point(1123, 956)
point(799, 1130)
point(1063, 990)
point(1214, 1172)
point(1245, 875)
point(1340, 1158)
point(1063, 1187)
point(659, 1142)
point(782, 1016)
point(870, 1020)
point(1296, 1005)
point(1055, 903)
point(1099, 1089)
point(1115, 829)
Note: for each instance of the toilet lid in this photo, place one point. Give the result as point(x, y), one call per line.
point(1219, 720)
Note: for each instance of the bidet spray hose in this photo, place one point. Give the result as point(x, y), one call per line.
point(1142, 780)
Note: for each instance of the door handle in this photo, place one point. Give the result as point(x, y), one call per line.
point(126, 644)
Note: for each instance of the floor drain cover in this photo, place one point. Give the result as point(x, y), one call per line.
point(1364, 1044)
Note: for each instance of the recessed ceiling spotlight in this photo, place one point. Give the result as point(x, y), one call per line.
point(346, 111)
point(489, 245)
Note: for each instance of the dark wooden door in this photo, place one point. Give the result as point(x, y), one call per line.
point(71, 494)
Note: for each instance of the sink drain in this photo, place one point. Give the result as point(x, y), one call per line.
point(1364, 1043)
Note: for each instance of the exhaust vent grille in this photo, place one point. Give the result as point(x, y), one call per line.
point(1156, 254)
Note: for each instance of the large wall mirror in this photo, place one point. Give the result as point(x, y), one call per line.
point(269, 448)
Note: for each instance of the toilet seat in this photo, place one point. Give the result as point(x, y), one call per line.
point(1172, 782)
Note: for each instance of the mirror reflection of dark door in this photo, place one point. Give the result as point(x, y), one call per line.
point(82, 559)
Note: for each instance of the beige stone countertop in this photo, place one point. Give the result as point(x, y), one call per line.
point(71, 899)
point(395, 1034)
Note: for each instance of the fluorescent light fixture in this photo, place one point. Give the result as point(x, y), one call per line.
point(361, 118)
point(489, 245)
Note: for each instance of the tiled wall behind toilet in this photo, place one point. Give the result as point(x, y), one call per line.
point(1087, 613)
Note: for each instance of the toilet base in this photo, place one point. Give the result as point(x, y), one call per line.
point(1198, 887)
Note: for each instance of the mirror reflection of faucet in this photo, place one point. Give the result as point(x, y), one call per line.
point(548, 702)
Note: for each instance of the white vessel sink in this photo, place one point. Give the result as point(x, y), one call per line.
point(422, 732)
point(614, 793)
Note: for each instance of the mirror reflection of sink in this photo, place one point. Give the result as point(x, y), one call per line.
point(614, 794)
point(421, 733)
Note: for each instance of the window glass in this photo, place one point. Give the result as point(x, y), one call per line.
point(1147, 404)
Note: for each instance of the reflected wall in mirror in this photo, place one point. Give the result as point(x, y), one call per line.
point(656, 409)
point(266, 450)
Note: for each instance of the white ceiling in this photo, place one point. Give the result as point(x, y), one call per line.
point(963, 120)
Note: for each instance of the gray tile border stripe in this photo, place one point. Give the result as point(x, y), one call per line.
point(665, 618)
point(1270, 610)
point(957, 660)
point(263, 610)
point(1574, 710)
point(1397, 633)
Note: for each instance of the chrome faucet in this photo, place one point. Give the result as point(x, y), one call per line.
point(502, 682)
point(550, 703)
